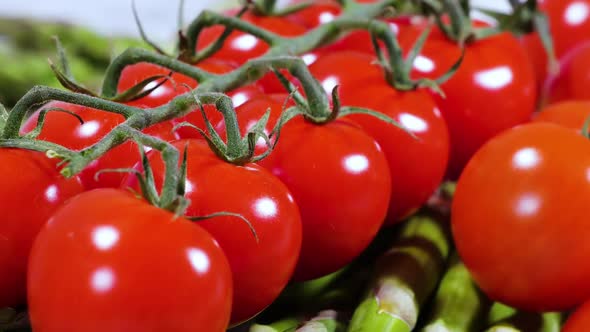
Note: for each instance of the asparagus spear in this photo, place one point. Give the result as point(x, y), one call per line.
point(405, 276)
point(284, 325)
point(324, 321)
point(459, 306)
point(529, 322)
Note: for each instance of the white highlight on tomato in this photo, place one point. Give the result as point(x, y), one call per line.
point(102, 280)
point(326, 17)
point(189, 187)
point(526, 158)
point(309, 58)
point(159, 91)
point(329, 83)
point(51, 193)
point(528, 205)
point(423, 64)
point(413, 123)
point(577, 13)
point(495, 78)
point(105, 237)
point(239, 98)
point(198, 259)
point(88, 128)
point(265, 207)
point(245, 42)
point(356, 163)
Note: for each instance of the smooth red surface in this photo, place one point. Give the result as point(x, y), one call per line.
point(579, 321)
point(65, 129)
point(317, 14)
point(31, 190)
point(417, 166)
point(569, 23)
point(340, 179)
point(260, 269)
point(108, 261)
point(493, 89)
point(571, 114)
point(519, 217)
point(573, 78)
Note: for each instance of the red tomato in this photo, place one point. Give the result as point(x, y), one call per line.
point(108, 261)
point(417, 166)
point(569, 25)
point(572, 79)
point(519, 217)
point(571, 114)
point(239, 47)
point(31, 191)
point(579, 321)
point(65, 129)
point(260, 269)
point(317, 14)
point(136, 73)
point(339, 178)
point(493, 89)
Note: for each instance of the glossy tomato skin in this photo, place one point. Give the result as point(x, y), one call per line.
point(579, 321)
point(239, 47)
point(571, 81)
point(65, 129)
point(316, 14)
point(519, 217)
point(417, 165)
point(569, 24)
point(339, 177)
point(31, 190)
point(493, 89)
point(260, 269)
point(99, 264)
point(571, 114)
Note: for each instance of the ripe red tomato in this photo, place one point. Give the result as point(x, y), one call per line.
point(417, 166)
point(108, 261)
point(493, 89)
point(31, 191)
point(65, 129)
point(571, 114)
point(260, 269)
point(579, 321)
point(136, 73)
point(316, 14)
point(570, 83)
point(569, 26)
point(519, 217)
point(339, 178)
point(239, 47)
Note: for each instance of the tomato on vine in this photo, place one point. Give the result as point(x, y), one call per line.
point(108, 261)
point(519, 217)
point(32, 189)
point(263, 263)
point(571, 114)
point(571, 81)
point(579, 321)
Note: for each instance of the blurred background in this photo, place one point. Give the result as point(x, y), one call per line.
point(91, 31)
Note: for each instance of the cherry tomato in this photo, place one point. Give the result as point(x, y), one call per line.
point(31, 190)
point(65, 129)
point(519, 217)
point(316, 14)
point(108, 261)
point(569, 23)
point(570, 83)
point(417, 166)
point(571, 114)
point(177, 85)
point(493, 89)
point(339, 178)
point(579, 321)
point(239, 47)
point(261, 269)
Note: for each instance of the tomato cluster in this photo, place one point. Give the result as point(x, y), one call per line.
point(90, 253)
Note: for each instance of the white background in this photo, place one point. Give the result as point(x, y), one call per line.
point(114, 17)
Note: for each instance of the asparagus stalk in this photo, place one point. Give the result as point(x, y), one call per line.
point(284, 325)
point(324, 321)
point(459, 305)
point(529, 322)
point(405, 276)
